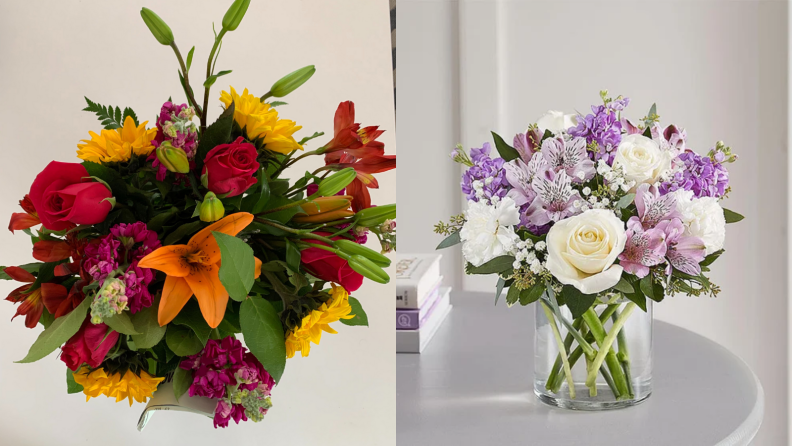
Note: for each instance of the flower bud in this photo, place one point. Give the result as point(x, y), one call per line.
point(368, 269)
point(233, 17)
point(352, 248)
point(334, 183)
point(173, 158)
point(292, 81)
point(323, 217)
point(372, 217)
point(157, 26)
point(460, 156)
point(211, 208)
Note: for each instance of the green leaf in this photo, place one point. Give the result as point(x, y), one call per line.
point(278, 104)
point(214, 135)
point(512, 296)
point(651, 289)
point(189, 64)
point(237, 266)
point(624, 286)
point(361, 318)
point(191, 316)
point(499, 289)
point(451, 240)
point(110, 118)
point(122, 324)
point(307, 138)
point(71, 385)
point(292, 257)
point(263, 334)
point(145, 323)
point(182, 379)
point(182, 231)
point(29, 267)
point(576, 301)
point(532, 294)
point(506, 151)
point(731, 216)
point(711, 258)
point(496, 265)
point(638, 298)
point(156, 223)
point(211, 79)
point(182, 341)
point(284, 215)
point(254, 202)
point(625, 201)
point(61, 330)
point(110, 176)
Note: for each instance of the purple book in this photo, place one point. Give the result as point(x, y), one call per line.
point(409, 319)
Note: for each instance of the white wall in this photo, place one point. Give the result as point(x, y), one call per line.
point(716, 68)
point(54, 52)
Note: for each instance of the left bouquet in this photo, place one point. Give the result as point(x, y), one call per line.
point(167, 242)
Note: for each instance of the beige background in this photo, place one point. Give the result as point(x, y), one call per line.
point(52, 53)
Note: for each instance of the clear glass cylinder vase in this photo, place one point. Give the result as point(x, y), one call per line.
point(600, 360)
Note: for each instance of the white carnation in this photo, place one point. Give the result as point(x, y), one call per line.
point(488, 231)
point(703, 218)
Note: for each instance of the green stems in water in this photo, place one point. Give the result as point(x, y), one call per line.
point(561, 349)
point(606, 351)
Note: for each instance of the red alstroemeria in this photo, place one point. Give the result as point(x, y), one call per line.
point(58, 302)
point(350, 138)
point(32, 305)
point(365, 168)
point(51, 250)
point(24, 220)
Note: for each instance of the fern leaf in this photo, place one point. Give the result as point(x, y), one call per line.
point(129, 112)
point(110, 117)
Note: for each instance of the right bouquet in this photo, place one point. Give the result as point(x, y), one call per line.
point(584, 210)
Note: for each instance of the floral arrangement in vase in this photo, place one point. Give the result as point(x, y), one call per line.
point(169, 240)
point(593, 216)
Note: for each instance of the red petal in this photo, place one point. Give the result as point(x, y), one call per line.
point(53, 295)
point(19, 274)
point(21, 221)
point(344, 116)
point(51, 251)
point(362, 199)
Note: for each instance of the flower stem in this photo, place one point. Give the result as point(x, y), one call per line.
point(624, 356)
point(218, 39)
point(561, 349)
point(187, 87)
point(587, 348)
point(605, 348)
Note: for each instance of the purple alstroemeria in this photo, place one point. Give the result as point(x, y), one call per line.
point(527, 144)
point(569, 156)
point(653, 207)
point(554, 198)
point(520, 176)
point(644, 248)
point(684, 252)
point(671, 138)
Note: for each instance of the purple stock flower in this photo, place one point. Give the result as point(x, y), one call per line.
point(486, 170)
point(225, 412)
point(700, 175)
point(554, 198)
point(684, 252)
point(653, 207)
point(602, 127)
point(644, 248)
point(569, 156)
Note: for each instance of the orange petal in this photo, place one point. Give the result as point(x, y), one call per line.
point(168, 259)
point(175, 294)
point(231, 225)
point(22, 221)
point(211, 294)
point(257, 270)
point(51, 251)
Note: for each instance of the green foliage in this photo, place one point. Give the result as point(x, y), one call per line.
point(499, 289)
point(111, 118)
point(190, 316)
point(264, 335)
point(506, 151)
point(532, 294)
point(501, 264)
point(182, 341)
point(61, 330)
point(182, 232)
point(181, 382)
point(237, 265)
point(71, 385)
point(213, 78)
point(449, 241)
point(731, 216)
point(305, 139)
point(145, 323)
point(576, 301)
point(122, 324)
point(256, 199)
point(217, 133)
point(361, 318)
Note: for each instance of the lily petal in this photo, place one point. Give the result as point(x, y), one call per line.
point(168, 259)
point(257, 270)
point(210, 292)
point(205, 241)
point(175, 294)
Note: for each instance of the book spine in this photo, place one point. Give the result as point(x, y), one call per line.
point(406, 296)
point(408, 319)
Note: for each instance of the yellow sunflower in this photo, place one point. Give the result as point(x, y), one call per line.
point(118, 144)
point(336, 308)
point(261, 121)
point(130, 385)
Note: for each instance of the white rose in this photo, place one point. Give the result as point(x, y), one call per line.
point(703, 218)
point(641, 159)
point(488, 231)
point(581, 250)
point(556, 121)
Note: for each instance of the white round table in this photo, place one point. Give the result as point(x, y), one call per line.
point(473, 385)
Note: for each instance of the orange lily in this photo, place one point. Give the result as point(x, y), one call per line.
point(193, 269)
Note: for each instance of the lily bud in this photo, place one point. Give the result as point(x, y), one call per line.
point(368, 269)
point(173, 158)
point(157, 26)
point(334, 183)
point(233, 17)
point(325, 209)
point(372, 217)
point(292, 81)
point(211, 208)
point(352, 248)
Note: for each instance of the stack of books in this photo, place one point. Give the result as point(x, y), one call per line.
point(422, 303)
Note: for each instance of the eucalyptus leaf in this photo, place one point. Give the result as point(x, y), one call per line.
point(264, 335)
point(625, 201)
point(61, 330)
point(499, 289)
point(451, 240)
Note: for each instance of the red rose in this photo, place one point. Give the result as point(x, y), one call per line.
point(231, 167)
point(329, 267)
point(88, 345)
point(63, 196)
